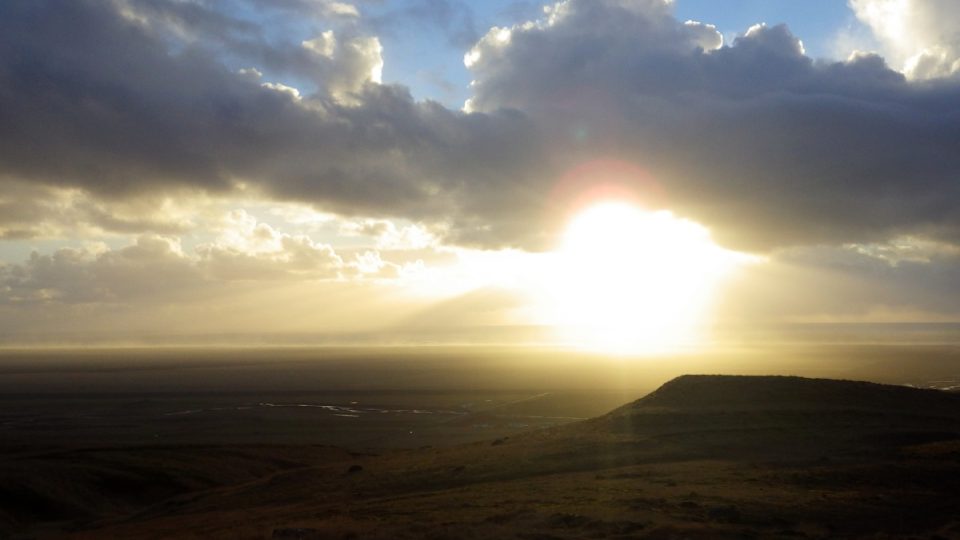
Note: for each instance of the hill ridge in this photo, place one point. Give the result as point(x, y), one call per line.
point(710, 391)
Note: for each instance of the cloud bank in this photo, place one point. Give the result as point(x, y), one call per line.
point(765, 145)
point(108, 108)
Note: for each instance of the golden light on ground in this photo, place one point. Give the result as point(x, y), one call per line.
point(629, 281)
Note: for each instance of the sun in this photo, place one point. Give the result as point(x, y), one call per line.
point(629, 281)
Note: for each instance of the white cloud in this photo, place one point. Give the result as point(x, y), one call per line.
point(911, 249)
point(279, 87)
point(102, 276)
point(342, 9)
point(325, 44)
point(388, 235)
point(354, 62)
point(154, 267)
point(576, 41)
point(922, 37)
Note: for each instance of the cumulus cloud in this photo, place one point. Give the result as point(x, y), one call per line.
point(753, 139)
point(158, 121)
point(93, 275)
point(556, 60)
point(37, 211)
point(156, 268)
point(353, 63)
point(921, 36)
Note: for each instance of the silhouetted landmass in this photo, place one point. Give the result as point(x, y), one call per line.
point(701, 457)
point(785, 393)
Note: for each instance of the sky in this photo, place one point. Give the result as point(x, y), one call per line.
point(620, 174)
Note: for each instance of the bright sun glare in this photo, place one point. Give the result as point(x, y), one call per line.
point(630, 281)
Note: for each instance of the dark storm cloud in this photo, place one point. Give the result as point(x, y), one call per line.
point(756, 140)
point(95, 101)
point(90, 100)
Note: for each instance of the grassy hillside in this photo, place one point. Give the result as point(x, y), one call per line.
point(701, 457)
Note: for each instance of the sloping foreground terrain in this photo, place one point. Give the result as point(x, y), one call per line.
point(701, 457)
